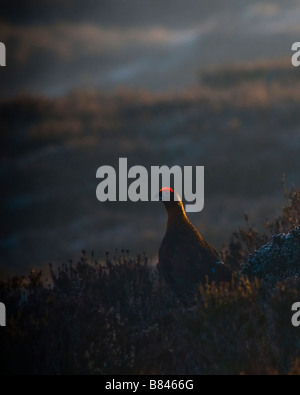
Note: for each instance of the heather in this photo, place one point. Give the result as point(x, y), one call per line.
point(119, 316)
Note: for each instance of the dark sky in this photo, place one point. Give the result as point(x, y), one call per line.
point(58, 45)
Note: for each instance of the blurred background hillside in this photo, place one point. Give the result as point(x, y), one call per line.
point(160, 82)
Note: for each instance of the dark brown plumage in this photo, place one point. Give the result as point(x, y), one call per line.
point(185, 258)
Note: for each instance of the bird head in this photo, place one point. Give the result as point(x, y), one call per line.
point(170, 198)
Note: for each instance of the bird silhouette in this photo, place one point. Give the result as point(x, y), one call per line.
point(185, 259)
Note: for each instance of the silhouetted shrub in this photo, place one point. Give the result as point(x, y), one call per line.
point(277, 260)
point(247, 240)
point(119, 317)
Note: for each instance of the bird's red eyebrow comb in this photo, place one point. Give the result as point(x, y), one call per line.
point(166, 189)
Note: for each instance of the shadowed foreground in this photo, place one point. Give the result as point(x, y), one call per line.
point(120, 317)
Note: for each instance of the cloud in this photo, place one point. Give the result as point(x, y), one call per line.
point(263, 10)
point(68, 41)
point(270, 18)
point(54, 57)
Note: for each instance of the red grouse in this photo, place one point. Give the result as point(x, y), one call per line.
point(185, 258)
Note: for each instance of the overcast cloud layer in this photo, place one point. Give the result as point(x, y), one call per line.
point(158, 45)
